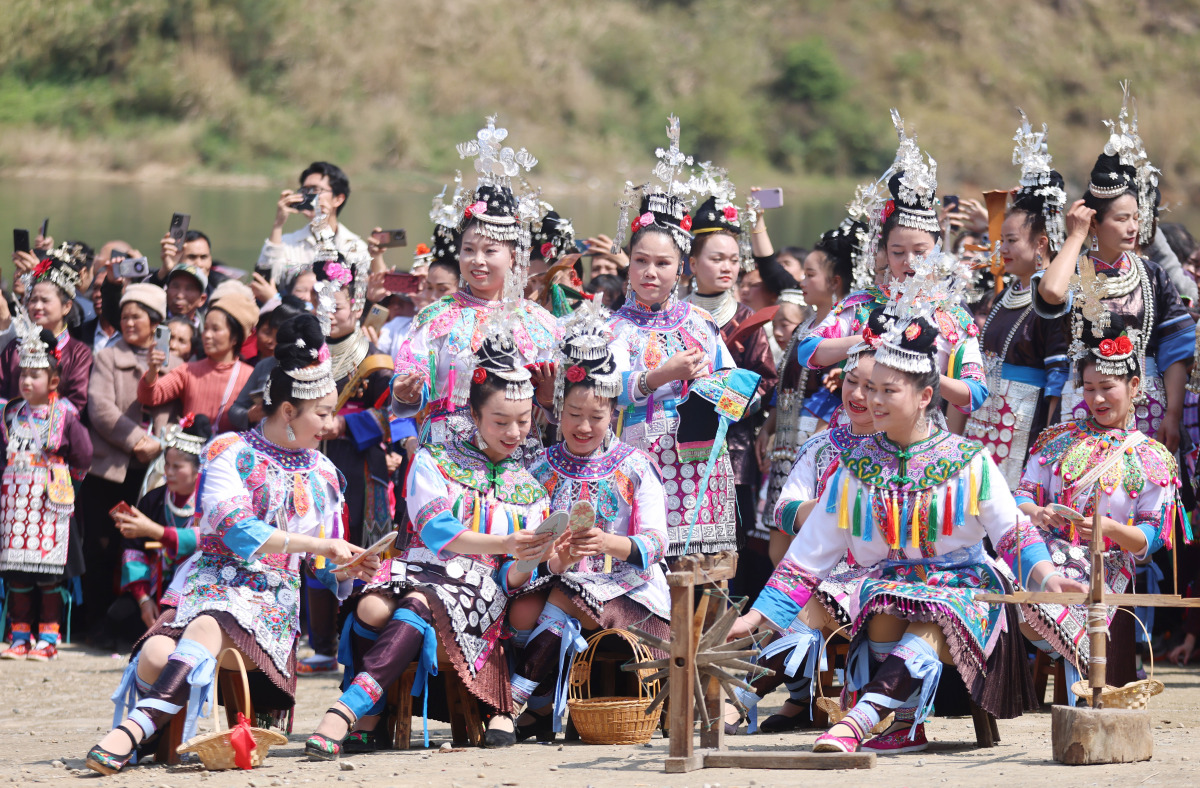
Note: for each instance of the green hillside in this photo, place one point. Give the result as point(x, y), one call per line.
point(796, 88)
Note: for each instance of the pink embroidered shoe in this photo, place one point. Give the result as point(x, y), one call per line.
point(18, 650)
point(827, 742)
point(44, 652)
point(898, 742)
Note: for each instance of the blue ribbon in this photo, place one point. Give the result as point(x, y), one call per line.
point(426, 663)
point(571, 643)
point(925, 667)
point(124, 697)
point(201, 680)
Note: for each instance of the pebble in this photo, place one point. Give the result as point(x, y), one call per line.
point(1183, 758)
point(553, 768)
point(920, 762)
point(446, 746)
point(347, 766)
point(560, 748)
point(57, 764)
point(509, 782)
point(481, 775)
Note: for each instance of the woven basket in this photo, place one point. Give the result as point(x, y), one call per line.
point(1134, 695)
point(214, 749)
point(833, 706)
point(611, 720)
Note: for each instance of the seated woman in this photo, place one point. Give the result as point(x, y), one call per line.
point(1139, 495)
point(470, 503)
point(606, 576)
point(818, 459)
point(266, 498)
point(913, 505)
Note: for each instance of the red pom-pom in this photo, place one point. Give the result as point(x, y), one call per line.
point(547, 248)
point(479, 375)
point(576, 373)
point(731, 214)
point(1108, 347)
point(187, 420)
point(686, 223)
point(888, 208)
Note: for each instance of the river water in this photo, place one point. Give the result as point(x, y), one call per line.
point(239, 219)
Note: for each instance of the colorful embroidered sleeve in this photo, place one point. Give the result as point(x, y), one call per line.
point(415, 357)
point(966, 364)
point(1001, 519)
point(1155, 512)
point(842, 321)
point(806, 562)
point(648, 525)
point(135, 570)
point(429, 506)
point(228, 512)
point(1035, 482)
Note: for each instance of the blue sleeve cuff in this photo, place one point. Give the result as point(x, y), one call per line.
point(439, 532)
point(979, 393)
point(403, 428)
point(1179, 346)
point(1030, 555)
point(245, 538)
point(822, 404)
point(1021, 498)
point(787, 519)
point(1154, 540)
point(1056, 378)
point(363, 429)
point(805, 349)
point(504, 576)
point(637, 556)
point(777, 607)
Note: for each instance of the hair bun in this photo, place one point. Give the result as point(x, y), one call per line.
point(919, 336)
point(299, 342)
point(498, 353)
point(200, 427)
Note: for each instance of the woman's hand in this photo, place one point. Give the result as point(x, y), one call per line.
point(686, 365)
point(285, 207)
point(154, 363)
point(148, 609)
point(134, 525)
point(588, 542)
point(1079, 220)
point(263, 290)
point(543, 374)
point(601, 246)
point(407, 389)
point(745, 625)
point(394, 460)
point(147, 448)
point(529, 545)
point(832, 380)
point(763, 446)
point(339, 551)
point(1182, 654)
point(1060, 584)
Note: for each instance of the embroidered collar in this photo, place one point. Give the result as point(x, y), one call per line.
point(597, 465)
point(663, 320)
point(462, 462)
point(1074, 448)
point(878, 462)
point(289, 459)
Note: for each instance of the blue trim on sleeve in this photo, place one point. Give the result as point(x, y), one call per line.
point(245, 538)
point(504, 576)
point(1179, 346)
point(1030, 555)
point(402, 429)
point(979, 393)
point(805, 349)
point(777, 607)
point(325, 577)
point(363, 429)
point(637, 555)
point(439, 532)
point(1056, 378)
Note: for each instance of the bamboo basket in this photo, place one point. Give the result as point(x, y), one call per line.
point(214, 749)
point(1134, 695)
point(620, 720)
point(833, 706)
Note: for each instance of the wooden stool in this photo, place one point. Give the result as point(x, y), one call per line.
point(466, 723)
point(229, 689)
point(1043, 669)
point(986, 732)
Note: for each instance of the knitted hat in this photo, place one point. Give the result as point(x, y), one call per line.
point(241, 307)
point(148, 295)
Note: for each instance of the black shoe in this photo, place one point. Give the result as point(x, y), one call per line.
point(783, 723)
point(497, 739)
point(359, 742)
point(542, 727)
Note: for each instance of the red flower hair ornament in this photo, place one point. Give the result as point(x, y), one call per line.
point(576, 374)
point(479, 375)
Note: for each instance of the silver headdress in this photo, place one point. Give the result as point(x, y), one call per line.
point(175, 437)
point(1125, 144)
point(32, 352)
point(585, 355)
point(938, 282)
point(61, 267)
point(498, 355)
point(1039, 180)
point(792, 296)
point(915, 193)
point(664, 203)
point(492, 202)
point(720, 212)
point(867, 207)
point(313, 382)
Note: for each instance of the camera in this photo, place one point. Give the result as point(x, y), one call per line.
point(133, 268)
point(309, 202)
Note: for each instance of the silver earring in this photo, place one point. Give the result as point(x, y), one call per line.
point(290, 434)
point(480, 442)
point(1095, 244)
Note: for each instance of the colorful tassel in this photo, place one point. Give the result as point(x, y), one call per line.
point(985, 484)
point(948, 512)
point(960, 502)
point(831, 497)
point(844, 508)
point(894, 535)
point(931, 528)
point(914, 535)
point(973, 510)
point(869, 529)
point(857, 513)
point(477, 514)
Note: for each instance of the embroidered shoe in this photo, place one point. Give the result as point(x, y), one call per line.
point(897, 742)
point(44, 652)
point(317, 663)
point(322, 748)
point(18, 650)
point(827, 742)
point(359, 742)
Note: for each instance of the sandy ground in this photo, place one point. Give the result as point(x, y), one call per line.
point(50, 714)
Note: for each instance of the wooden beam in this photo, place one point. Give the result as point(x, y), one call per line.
point(1081, 597)
point(788, 759)
point(684, 764)
point(681, 709)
